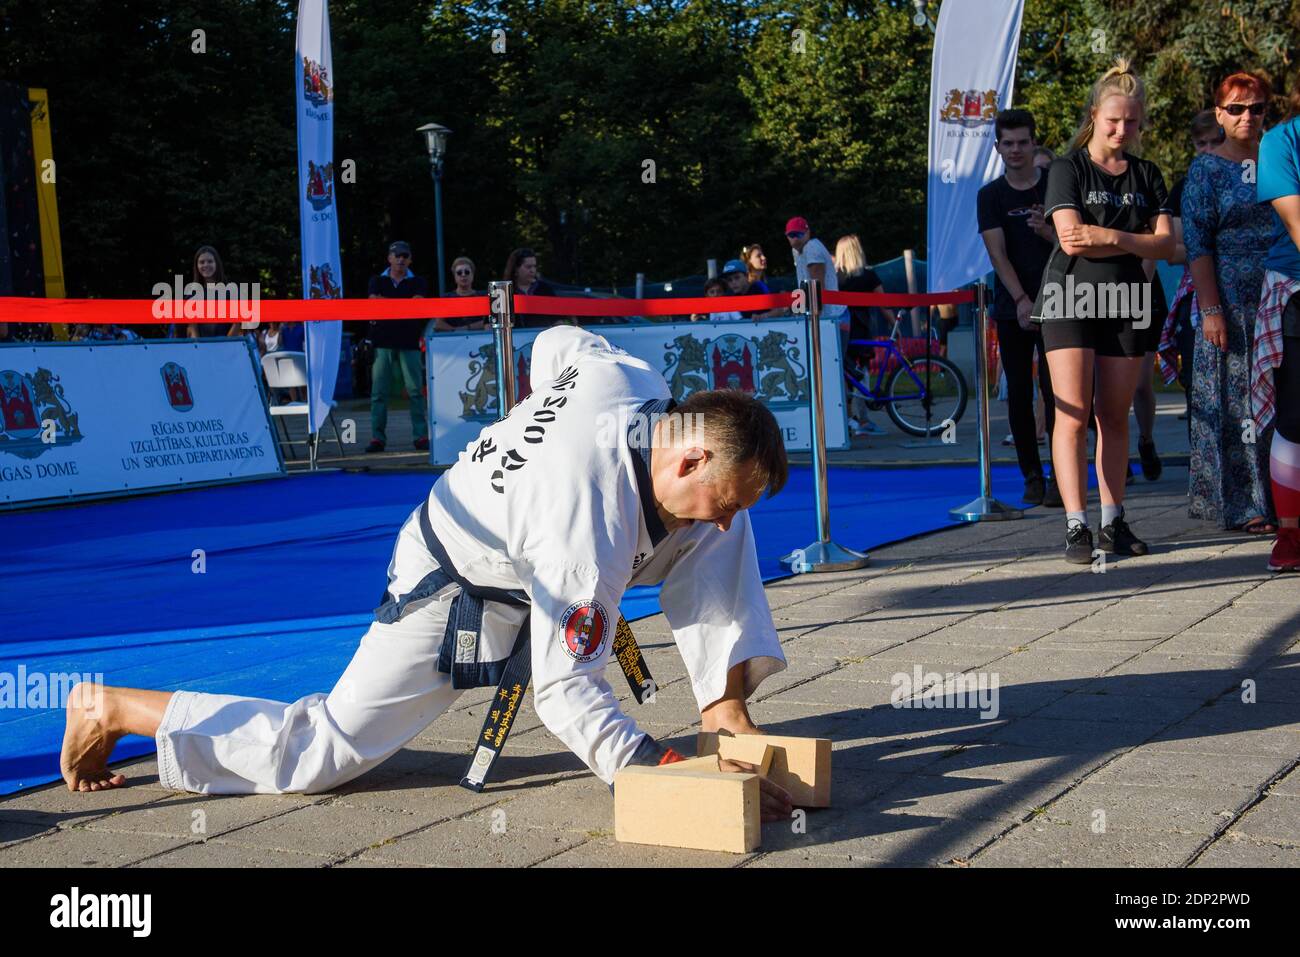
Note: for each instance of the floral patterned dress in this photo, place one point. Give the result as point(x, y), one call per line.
point(1228, 481)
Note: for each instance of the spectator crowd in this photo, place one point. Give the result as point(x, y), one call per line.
point(1093, 217)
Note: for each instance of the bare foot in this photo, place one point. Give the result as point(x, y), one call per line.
point(88, 741)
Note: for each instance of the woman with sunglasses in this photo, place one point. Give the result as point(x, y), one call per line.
point(1227, 236)
point(462, 271)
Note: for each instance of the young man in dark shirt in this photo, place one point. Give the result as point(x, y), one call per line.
point(1019, 241)
point(397, 346)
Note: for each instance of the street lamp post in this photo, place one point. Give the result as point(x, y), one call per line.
point(435, 141)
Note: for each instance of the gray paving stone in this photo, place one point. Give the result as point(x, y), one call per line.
point(419, 800)
point(972, 633)
point(1011, 762)
point(965, 798)
point(55, 804)
point(1040, 663)
point(13, 830)
point(933, 654)
point(1237, 850)
point(604, 851)
point(1070, 736)
point(1262, 743)
point(194, 817)
point(1151, 809)
point(472, 841)
point(333, 829)
point(366, 860)
point(802, 858)
point(1276, 819)
point(1289, 784)
point(1051, 845)
point(907, 839)
point(219, 854)
point(1156, 673)
point(1148, 767)
point(835, 694)
point(78, 847)
point(1107, 707)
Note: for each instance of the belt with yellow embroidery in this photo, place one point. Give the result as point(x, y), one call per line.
point(503, 710)
point(513, 684)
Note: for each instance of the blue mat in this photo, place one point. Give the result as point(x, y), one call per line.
point(293, 569)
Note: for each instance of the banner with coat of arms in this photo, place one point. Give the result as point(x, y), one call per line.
point(87, 420)
point(767, 358)
point(322, 275)
point(972, 79)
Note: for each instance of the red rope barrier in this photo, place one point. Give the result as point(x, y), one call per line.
point(564, 306)
point(140, 312)
point(898, 298)
point(154, 312)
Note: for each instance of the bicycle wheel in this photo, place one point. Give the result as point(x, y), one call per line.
point(947, 394)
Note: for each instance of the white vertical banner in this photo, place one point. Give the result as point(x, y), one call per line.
point(973, 77)
point(322, 275)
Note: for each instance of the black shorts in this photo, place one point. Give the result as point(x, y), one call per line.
point(1106, 337)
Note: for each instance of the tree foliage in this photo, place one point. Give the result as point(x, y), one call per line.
point(751, 111)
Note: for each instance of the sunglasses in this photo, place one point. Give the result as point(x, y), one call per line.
point(1236, 109)
point(464, 272)
point(795, 235)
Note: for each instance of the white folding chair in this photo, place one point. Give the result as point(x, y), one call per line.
point(288, 370)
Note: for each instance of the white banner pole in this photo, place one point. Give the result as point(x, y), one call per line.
point(322, 273)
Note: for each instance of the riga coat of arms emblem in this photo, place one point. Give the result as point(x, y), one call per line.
point(768, 368)
point(177, 383)
point(29, 406)
point(970, 108)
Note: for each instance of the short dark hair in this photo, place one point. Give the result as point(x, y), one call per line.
point(1015, 120)
point(1206, 122)
point(742, 430)
point(714, 282)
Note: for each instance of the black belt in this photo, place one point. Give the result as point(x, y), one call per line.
point(459, 658)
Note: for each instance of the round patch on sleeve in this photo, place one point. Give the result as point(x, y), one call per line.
point(584, 627)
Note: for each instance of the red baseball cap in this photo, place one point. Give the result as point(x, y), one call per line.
point(797, 225)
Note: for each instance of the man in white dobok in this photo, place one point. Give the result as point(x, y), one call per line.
point(593, 483)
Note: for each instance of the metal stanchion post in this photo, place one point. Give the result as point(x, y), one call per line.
point(822, 555)
point(985, 508)
point(501, 298)
point(311, 436)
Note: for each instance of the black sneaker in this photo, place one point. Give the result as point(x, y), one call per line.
point(1078, 544)
point(1151, 467)
point(1052, 496)
point(1118, 539)
point(1034, 489)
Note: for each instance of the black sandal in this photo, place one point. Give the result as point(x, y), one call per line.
point(1258, 526)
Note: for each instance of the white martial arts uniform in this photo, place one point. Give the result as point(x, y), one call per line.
point(553, 501)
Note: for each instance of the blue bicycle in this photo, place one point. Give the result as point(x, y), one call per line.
point(920, 393)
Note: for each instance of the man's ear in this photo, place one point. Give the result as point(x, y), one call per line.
point(692, 460)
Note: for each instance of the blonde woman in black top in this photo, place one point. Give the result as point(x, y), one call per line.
point(1110, 210)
